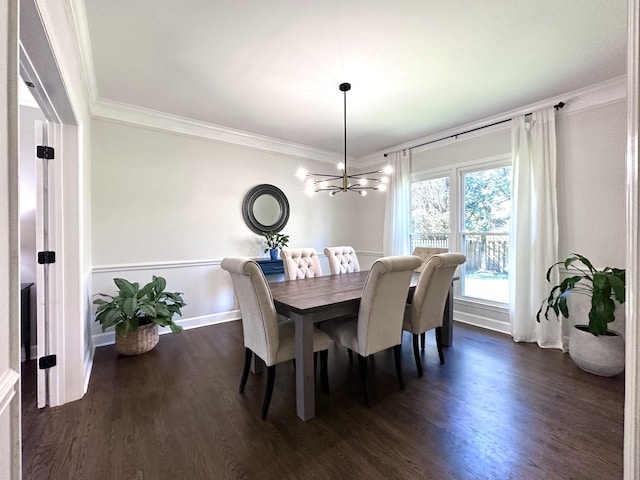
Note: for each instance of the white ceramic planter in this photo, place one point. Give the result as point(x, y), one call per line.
point(601, 355)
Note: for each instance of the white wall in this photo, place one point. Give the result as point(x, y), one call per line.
point(591, 183)
point(169, 204)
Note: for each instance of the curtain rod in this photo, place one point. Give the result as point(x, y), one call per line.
point(557, 106)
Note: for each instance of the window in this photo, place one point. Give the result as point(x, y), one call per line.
point(430, 216)
point(486, 209)
point(467, 210)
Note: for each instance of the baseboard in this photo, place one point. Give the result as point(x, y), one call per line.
point(108, 338)
point(88, 368)
point(482, 322)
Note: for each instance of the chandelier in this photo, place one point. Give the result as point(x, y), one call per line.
point(343, 182)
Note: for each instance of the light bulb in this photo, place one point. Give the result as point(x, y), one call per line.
point(310, 182)
point(388, 170)
point(341, 167)
point(323, 184)
point(363, 181)
point(384, 180)
point(301, 173)
point(362, 192)
point(382, 187)
point(332, 193)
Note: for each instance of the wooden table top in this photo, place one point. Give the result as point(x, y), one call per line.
point(316, 293)
point(310, 294)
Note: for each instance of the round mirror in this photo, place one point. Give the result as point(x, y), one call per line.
point(265, 208)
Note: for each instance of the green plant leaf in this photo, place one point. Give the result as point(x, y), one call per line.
point(160, 284)
point(130, 307)
point(127, 288)
point(144, 291)
point(148, 310)
point(617, 282)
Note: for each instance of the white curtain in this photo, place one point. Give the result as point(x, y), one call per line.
point(397, 217)
point(534, 227)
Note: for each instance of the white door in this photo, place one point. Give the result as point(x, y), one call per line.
point(44, 285)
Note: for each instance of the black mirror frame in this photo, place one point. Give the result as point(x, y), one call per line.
point(247, 208)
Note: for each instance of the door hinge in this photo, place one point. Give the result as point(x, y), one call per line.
point(47, 362)
point(42, 151)
point(46, 257)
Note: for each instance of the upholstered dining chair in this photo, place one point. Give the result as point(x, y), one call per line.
point(378, 325)
point(300, 263)
point(342, 259)
point(425, 253)
point(427, 305)
point(264, 336)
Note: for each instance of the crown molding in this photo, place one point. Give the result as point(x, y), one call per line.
point(127, 114)
point(593, 96)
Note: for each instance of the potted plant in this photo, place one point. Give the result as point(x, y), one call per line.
point(275, 241)
point(593, 346)
point(136, 313)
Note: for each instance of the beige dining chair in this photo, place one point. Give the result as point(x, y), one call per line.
point(342, 259)
point(300, 263)
point(425, 253)
point(264, 336)
point(378, 325)
point(426, 309)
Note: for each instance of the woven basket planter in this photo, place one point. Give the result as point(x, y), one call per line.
point(141, 341)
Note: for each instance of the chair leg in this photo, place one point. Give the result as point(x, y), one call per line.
point(245, 371)
point(362, 361)
point(397, 353)
point(324, 374)
point(271, 377)
point(416, 354)
point(439, 344)
point(350, 352)
point(423, 339)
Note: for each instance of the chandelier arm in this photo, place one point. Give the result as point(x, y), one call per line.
point(373, 179)
point(366, 173)
point(323, 175)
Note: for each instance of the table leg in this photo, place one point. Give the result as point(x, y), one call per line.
point(447, 320)
point(305, 384)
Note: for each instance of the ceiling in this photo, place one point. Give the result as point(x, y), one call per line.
point(416, 67)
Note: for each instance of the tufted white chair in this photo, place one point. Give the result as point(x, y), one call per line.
point(264, 336)
point(342, 259)
point(378, 325)
point(425, 253)
point(427, 306)
point(300, 263)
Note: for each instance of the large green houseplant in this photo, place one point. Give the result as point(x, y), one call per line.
point(593, 342)
point(136, 309)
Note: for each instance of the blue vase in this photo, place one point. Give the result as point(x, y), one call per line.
point(273, 253)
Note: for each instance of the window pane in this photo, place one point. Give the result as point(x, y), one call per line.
point(487, 209)
point(430, 213)
point(486, 273)
point(487, 200)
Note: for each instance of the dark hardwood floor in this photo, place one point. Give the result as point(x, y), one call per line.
point(496, 410)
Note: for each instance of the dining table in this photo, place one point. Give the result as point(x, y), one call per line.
point(311, 300)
